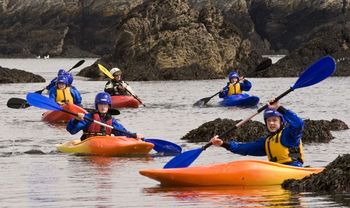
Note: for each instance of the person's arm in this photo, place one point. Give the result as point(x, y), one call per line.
point(246, 85)
point(294, 128)
point(223, 92)
point(256, 148)
point(52, 93)
point(74, 125)
point(109, 88)
point(76, 96)
point(52, 84)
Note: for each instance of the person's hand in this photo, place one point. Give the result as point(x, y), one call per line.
point(80, 116)
point(216, 141)
point(273, 105)
point(139, 137)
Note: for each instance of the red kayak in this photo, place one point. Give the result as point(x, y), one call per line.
point(124, 101)
point(61, 117)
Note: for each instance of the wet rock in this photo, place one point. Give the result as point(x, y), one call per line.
point(317, 131)
point(335, 178)
point(34, 152)
point(18, 76)
point(169, 40)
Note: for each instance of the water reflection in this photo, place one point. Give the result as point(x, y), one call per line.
point(235, 196)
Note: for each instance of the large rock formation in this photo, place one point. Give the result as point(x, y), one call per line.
point(335, 178)
point(60, 28)
point(18, 76)
point(162, 40)
point(314, 130)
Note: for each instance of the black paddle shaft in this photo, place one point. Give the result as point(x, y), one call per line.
point(247, 119)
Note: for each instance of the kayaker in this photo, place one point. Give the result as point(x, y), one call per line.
point(61, 72)
point(282, 145)
point(63, 93)
point(117, 86)
point(103, 102)
point(235, 85)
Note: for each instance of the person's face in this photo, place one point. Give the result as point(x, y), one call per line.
point(273, 123)
point(234, 80)
point(117, 76)
point(102, 108)
point(61, 86)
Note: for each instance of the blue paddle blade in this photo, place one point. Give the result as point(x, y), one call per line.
point(317, 72)
point(165, 147)
point(184, 160)
point(41, 101)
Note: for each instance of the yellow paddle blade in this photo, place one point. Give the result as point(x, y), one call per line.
point(105, 71)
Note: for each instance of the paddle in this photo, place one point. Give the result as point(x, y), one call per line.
point(315, 73)
point(108, 74)
point(41, 101)
point(262, 66)
point(75, 66)
point(18, 103)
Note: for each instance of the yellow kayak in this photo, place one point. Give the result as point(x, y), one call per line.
point(236, 173)
point(106, 146)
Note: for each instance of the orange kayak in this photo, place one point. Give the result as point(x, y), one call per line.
point(61, 117)
point(124, 101)
point(236, 173)
point(106, 146)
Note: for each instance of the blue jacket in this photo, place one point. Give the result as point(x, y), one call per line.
point(290, 137)
point(245, 86)
point(75, 94)
point(74, 126)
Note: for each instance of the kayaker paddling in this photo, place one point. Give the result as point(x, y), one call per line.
point(102, 104)
point(282, 145)
point(117, 86)
point(63, 93)
point(235, 85)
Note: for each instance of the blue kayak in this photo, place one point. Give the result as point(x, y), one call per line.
point(240, 100)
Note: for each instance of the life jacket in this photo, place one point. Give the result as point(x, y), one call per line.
point(118, 91)
point(64, 96)
point(234, 89)
point(95, 129)
point(276, 152)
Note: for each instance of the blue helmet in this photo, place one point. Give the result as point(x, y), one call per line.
point(232, 75)
point(70, 78)
point(62, 79)
point(61, 72)
point(270, 113)
point(103, 98)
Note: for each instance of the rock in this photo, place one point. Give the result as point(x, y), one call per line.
point(314, 131)
point(18, 76)
point(335, 178)
point(169, 40)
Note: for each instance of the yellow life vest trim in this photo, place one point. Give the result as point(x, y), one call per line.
point(64, 96)
point(276, 152)
point(234, 89)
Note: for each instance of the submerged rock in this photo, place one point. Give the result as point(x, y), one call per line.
point(18, 76)
point(335, 178)
point(314, 130)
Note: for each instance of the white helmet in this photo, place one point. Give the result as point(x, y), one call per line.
point(115, 70)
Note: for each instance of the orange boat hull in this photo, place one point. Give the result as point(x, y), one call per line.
point(121, 101)
point(61, 117)
point(236, 173)
point(106, 146)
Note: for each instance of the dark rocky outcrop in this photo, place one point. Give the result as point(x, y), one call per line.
point(162, 40)
point(314, 130)
point(335, 178)
point(18, 76)
point(72, 28)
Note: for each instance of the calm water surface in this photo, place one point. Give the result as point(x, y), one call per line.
point(34, 174)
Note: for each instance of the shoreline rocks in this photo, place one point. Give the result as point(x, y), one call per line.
point(18, 76)
point(315, 131)
point(335, 178)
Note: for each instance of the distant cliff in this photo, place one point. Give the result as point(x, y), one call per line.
point(179, 39)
